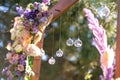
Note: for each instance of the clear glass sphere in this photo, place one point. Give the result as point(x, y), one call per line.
point(59, 53)
point(51, 61)
point(103, 11)
point(78, 43)
point(69, 42)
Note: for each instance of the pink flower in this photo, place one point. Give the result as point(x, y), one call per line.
point(15, 56)
point(9, 55)
point(46, 2)
point(20, 67)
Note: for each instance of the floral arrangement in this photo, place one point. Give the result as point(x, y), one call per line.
point(107, 54)
point(25, 34)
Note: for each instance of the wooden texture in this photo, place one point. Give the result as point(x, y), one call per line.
point(117, 68)
point(57, 10)
point(61, 7)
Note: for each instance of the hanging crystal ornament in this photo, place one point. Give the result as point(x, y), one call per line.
point(51, 61)
point(69, 42)
point(59, 53)
point(78, 43)
point(103, 11)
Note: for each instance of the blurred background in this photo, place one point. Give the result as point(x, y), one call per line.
point(77, 63)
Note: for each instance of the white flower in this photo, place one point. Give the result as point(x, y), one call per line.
point(18, 48)
point(9, 46)
point(42, 7)
point(13, 35)
point(28, 69)
point(33, 50)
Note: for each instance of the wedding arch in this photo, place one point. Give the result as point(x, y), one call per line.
point(61, 7)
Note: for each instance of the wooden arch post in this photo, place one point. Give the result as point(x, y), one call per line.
point(57, 10)
point(117, 68)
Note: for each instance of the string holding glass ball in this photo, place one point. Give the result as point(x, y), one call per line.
point(51, 61)
point(59, 53)
point(78, 42)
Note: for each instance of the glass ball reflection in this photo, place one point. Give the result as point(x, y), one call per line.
point(59, 53)
point(103, 11)
point(51, 61)
point(78, 43)
point(69, 42)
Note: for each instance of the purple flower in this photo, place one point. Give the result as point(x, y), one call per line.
point(101, 77)
point(22, 62)
point(14, 61)
point(35, 29)
point(8, 73)
point(45, 14)
point(20, 10)
point(43, 20)
point(31, 14)
point(36, 4)
point(18, 73)
point(109, 74)
point(35, 11)
point(5, 70)
point(26, 13)
point(27, 24)
point(46, 1)
point(22, 57)
point(39, 15)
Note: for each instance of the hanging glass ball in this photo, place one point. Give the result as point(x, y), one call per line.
point(59, 53)
point(69, 42)
point(103, 11)
point(51, 61)
point(78, 43)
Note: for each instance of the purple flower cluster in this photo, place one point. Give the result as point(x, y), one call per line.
point(16, 60)
point(33, 17)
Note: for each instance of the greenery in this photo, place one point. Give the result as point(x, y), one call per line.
point(77, 63)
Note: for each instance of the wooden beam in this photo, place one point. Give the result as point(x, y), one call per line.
point(61, 7)
point(117, 67)
point(57, 10)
